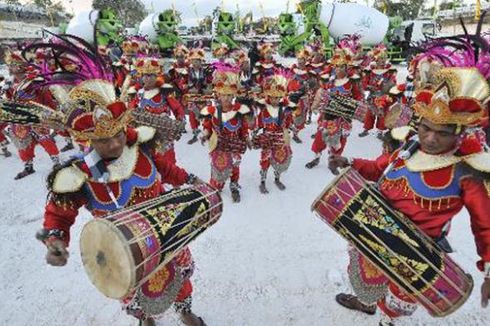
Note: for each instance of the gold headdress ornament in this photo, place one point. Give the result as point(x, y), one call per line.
point(341, 56)
point(303, 54)
point(460, 97)
point(147, 66)
point(265, 48)
point(226, 80)
point(181, 50)
point(221, 50)
point(95, 111)
point(276, 85)
point(14, 58)
point(196, 54)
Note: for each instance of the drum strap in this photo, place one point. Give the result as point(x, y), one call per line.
point(99, 172)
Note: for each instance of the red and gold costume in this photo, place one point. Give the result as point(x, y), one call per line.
point(199, 79)
point(272, 129)
point(227, 131)
point(377, 77)
point(25, 137)
point(333, 131)
point(299, 84)
point(432, 189)
point(103, 186)
point(266, 66)
point(179, 71)
point(158, 100)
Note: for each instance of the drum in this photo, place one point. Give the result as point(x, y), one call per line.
point(169, 130)
point(342, 106)
point(394, 244)
point(120, 252)
point(269, 140)
point(231, 144)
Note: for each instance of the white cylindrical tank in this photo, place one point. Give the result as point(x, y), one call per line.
point(148, 27)
point(83, 25)
point(354, 18)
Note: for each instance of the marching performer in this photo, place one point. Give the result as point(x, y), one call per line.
point(25, 138)
point(454, 169)
point(179, 71)
point(225, 127)
point(156, 96)
point(274, 120)
point(300, 84)
point(200, 79)
point(333, 131)
point(124, 167)
point(267, 65)
point(131, 48)
point(379, 77)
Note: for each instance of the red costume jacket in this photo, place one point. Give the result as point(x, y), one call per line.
point(159, 101)
point(226, 124)
point(135, 177)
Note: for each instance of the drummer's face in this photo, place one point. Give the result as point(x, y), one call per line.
point(436, 139)
point(110, 148)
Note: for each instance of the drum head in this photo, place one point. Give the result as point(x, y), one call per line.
point(107, 258)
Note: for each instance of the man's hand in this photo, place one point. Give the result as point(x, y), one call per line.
point(485, 292)
point(57, 254)
point(336, 162)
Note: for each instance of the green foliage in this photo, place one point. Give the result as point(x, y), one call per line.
point(407, 9)
point(130, 12)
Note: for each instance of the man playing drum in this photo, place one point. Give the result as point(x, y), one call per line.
point(450, 169)
point(124, 167)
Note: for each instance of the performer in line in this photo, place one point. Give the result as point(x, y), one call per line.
point(449, 170)
point(333, 131)
point(156, 96)
point(225, 127)
point(199, 85)
point(178, 73)
point(300, 84)
point(271, 135)
point(379, 77)
point(123, 167)
point(25, 89)
point(267, 65)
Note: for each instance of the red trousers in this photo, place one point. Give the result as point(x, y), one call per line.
point(370, 119)
point(235, 176)
point(2, 136)
point(194, 122)
point(48, 144)
point(319, 145)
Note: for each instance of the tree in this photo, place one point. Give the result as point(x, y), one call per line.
point(13, 2)
point(130, 12)
point(54, 9)
point(407, 9)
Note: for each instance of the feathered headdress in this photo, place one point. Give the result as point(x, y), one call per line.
point(460, 93)
point(351, 42)
point(226, 79)
point(147, 66)
point(93, 111)
point(276, 85)
point(135, 45)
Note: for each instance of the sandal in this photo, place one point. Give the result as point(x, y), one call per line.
point(352, 302)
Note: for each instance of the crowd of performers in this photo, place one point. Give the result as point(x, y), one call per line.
point(234, 106)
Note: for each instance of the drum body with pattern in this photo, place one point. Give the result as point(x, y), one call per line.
point(358, 212)
point(121, 251)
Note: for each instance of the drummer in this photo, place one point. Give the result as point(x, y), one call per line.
point(449, 170)
point(123, 167)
